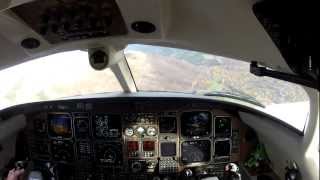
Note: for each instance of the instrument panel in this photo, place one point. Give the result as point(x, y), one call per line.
point(149, 143)
point(196, 124)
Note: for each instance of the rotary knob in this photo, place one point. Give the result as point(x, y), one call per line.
point(188, 172)
point(156, 178)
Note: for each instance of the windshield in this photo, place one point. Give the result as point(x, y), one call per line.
point(153, 68)
point(52, 77)
point(157, 68)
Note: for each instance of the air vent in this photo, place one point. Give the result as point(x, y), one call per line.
point(143, 27)
point(30, 43)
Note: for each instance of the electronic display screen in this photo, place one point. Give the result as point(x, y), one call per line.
point(81, 127)
point(107, 125)
point(197, 123)
point(168, 149)
point(222, 126)
point(60, 125)
point(168, 124)
point(148, 145)
point(222, 148)
point(196, 151)
point(133, 146)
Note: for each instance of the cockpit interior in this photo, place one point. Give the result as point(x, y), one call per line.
point(158, 90)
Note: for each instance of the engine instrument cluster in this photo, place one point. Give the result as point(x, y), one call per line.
point(127, 143)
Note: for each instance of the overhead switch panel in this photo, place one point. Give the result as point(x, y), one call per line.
point(66, 20)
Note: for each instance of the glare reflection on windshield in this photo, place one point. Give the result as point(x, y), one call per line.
point(52, 77)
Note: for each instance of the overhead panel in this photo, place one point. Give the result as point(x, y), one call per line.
point(65, 20)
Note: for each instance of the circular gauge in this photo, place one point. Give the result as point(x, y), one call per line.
point(110, 156)
point(104, 132)
point(136, 166)
point(151, 131)
point(100, 121)
point(140, 130)
point(128, 131)
point(63, 155)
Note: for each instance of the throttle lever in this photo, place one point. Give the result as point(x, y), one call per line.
point(21, 164)
point(232, 172)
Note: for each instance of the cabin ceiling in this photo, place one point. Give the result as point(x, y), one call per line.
point(226, 28)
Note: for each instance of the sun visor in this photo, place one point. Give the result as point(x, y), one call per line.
point(291, 27)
